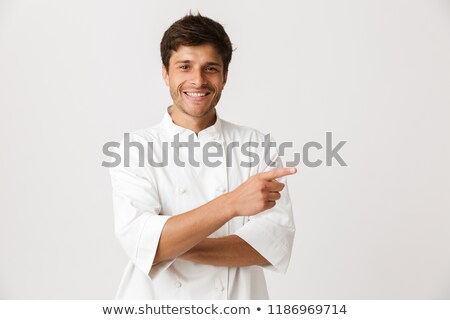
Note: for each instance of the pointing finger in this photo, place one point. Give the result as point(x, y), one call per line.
point(277, 173)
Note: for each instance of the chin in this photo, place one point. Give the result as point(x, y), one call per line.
point(197, 111)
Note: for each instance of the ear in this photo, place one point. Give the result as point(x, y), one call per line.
point(225, 78)
point(165, 75)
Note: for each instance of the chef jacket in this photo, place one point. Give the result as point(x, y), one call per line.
point(145, 196)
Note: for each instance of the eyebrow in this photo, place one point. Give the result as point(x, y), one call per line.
point(208, 63)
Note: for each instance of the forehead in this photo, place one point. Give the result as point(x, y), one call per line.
point(196, 54)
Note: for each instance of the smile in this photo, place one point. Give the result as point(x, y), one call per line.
point(196, 94)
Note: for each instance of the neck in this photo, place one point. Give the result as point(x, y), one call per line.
point(192, 123)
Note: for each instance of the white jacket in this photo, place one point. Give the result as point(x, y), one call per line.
point(145, 197)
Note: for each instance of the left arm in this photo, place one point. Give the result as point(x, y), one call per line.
point(229, 251)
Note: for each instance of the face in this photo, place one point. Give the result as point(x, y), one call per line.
point(196, 79)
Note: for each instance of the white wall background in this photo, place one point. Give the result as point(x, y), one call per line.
point(76, 74)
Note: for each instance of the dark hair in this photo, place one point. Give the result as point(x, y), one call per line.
point(194, 30)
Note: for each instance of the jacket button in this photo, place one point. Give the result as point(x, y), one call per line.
point(221, 189)
point(181, 190)
point(178, 284)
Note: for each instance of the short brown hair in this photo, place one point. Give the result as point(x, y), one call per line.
point(194, 30)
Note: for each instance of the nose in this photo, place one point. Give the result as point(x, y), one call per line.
point(198, 78)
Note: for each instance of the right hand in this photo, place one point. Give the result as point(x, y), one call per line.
point(259, 193)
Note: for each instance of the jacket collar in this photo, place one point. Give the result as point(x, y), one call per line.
point(213, 132)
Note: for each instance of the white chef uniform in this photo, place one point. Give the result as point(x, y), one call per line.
point(145, 197)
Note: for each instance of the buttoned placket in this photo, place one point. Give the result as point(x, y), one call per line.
point(221, 283)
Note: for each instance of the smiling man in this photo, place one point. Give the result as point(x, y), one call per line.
point(207, 231)
point(196, 77)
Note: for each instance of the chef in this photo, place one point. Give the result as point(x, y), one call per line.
point(206, 231)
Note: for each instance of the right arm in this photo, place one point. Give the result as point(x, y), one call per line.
point(184, 231)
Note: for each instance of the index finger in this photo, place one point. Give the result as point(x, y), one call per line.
point(277, 173)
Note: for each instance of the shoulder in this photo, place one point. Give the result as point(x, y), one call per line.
point(145, 135)
point(262, 146)
point(241, 132)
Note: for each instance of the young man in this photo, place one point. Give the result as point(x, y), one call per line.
point(199, 229)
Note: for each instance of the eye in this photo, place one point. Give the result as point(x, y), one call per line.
point(211, 69)
point(184, 67)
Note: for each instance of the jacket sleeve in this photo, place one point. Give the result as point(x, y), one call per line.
point(138, 221)
point(271, 232)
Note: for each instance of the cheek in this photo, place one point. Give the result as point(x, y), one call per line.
point(176, 87)
point(219, 83)
point(218, 87)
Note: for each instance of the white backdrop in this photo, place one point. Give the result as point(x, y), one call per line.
point(76, 74)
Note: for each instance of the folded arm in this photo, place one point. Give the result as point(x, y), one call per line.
point(183, 232)
point(229, 251)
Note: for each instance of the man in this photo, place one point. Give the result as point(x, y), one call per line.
point(199, 230)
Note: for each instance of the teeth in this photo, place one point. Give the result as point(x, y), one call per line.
point(195, 94)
